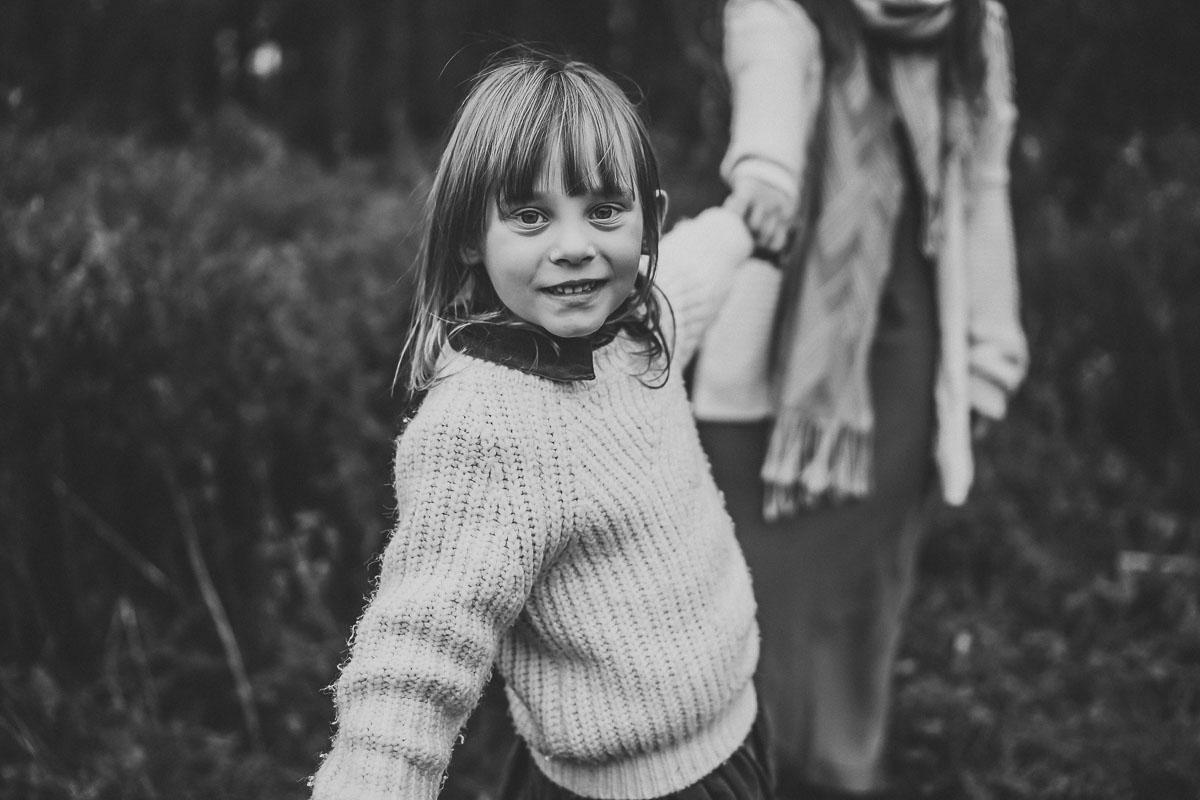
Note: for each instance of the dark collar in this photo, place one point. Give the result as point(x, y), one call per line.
point(531, 351)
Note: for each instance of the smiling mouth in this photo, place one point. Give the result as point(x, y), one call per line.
point(909, 11)
point(573, 288)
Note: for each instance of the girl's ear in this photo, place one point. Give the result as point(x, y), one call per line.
point(470, 255)
point(660, 216)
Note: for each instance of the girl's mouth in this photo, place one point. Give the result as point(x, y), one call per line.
point(573, 288)
point(910, 10)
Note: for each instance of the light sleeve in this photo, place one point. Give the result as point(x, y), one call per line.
point(772, 59)
point(697, 261)
point(455, 573)
point(998, 355)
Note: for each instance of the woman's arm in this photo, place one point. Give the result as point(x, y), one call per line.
point(772, 58)
point(998, 355)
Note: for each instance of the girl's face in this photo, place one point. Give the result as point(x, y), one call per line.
point(560, 261)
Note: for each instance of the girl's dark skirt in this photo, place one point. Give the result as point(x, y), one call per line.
point(746, 775)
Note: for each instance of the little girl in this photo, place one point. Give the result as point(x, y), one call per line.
point(556, 514)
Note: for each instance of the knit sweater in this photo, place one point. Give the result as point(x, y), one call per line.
point(572, 534)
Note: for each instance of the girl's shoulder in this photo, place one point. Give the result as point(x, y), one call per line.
point(477, 401)
point(481, 420)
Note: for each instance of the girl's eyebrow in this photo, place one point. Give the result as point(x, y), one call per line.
point(624, 195)
point(542, 195)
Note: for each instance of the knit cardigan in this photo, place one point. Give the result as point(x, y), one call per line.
point(571, 533)
point(773, 57)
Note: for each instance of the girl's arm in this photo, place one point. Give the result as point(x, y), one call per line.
point(455, 574)
point(998, 354)
point(697, 260)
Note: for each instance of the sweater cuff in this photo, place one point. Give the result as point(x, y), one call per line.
point(772, 173)
point(371, 774)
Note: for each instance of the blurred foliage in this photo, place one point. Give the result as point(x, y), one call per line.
point(197, 338)
point(339, 77)
point(1041, 660)
point(1113, 311)
point(195, 361)
point(1093, 75)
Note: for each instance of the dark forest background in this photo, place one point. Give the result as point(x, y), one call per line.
point(206, 212)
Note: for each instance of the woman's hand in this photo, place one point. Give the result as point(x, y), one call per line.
point(981, 426)
point(768, 212)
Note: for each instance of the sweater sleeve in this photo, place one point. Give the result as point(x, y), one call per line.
point(772, 58)
point(998, 354)
point(455, 574)
point(697, 260)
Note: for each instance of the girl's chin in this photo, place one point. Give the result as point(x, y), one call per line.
point(577, 322)
point(572, 331)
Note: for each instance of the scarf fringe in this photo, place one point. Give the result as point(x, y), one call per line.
point(822, 462)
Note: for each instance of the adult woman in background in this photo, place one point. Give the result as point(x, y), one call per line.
point(837, 395)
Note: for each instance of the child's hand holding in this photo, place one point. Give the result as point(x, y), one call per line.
point(769, 212)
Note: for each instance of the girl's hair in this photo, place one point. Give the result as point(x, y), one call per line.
point(522, 112)
point(961, 46)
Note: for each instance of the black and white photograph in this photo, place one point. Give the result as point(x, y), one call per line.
point(609, 400)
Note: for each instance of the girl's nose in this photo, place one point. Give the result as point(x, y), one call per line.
point(573, 248)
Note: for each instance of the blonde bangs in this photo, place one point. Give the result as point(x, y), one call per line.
point(563, 127)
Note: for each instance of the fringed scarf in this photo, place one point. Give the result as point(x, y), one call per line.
point(821, 445)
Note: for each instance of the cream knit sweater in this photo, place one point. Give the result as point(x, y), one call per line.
point(572, 534)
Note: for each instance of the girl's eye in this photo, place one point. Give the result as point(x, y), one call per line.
point(529, 217)
point(606, 213)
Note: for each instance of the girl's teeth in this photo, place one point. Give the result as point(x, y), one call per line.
point(578, 288)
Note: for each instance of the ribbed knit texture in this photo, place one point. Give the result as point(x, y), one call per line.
point(572, 534)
